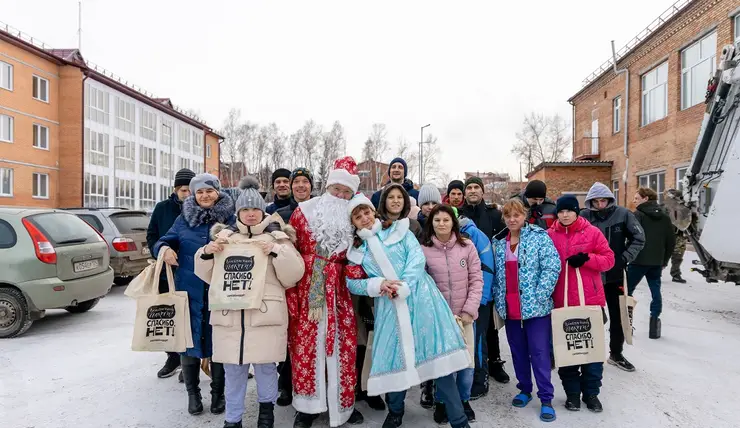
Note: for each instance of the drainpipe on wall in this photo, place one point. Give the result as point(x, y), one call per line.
point(572, 132)
point(626, 120)
point(82, 143)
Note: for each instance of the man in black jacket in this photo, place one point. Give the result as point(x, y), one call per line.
point(626, 238)
point(489, 220)
point(540, 208)
point(163, 217)
point(281, 186)
point(301, 186)
point(659, 243)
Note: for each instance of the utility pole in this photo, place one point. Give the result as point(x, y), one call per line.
point(421, 156)
point(79, 25)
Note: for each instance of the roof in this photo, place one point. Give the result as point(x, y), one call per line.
point(648, 33)
point(74, 58)
point(568, 163)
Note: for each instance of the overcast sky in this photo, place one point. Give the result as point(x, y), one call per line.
point(472, 69)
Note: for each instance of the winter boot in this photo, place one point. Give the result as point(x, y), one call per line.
point(356, 418)
point(393, 420)
point(593, 403)
point(266, 418)
point(180, 378)
point(497, 372)
point(375, 402)
point(573, 403)
point(654, 328)
point(440, 413)
point(679, 279)
point(191, 375)
point(233, 424)
point(303, 420)
point(479, 389)
point(427, 394)
point(285, 398)
point(170, 366)
point(218, 379)
point(621, 362)
point(469, 412)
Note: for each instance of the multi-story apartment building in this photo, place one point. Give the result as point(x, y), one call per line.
point(73, 134)
point(669, 65)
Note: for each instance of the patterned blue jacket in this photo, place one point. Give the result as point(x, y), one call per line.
point(539, 269)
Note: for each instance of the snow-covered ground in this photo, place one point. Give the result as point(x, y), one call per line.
point(78, 371)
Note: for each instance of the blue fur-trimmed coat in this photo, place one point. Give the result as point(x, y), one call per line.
point(190, 232)
point(539, 269)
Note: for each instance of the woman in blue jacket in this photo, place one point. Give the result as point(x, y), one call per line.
point(208, 206)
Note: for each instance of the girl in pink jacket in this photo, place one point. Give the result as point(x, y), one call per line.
point(584, 247)
point(454, 264)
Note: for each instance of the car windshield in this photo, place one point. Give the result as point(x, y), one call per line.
point(64, 229)
point(132, 222)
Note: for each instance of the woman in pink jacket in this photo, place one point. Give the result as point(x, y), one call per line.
point(584, 247)
point(454, 264)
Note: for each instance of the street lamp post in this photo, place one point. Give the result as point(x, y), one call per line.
point(421, 156)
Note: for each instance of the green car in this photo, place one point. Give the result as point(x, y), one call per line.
point(49, 259)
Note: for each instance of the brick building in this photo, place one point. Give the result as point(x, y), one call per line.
point(373, 176)
point(73, 134)
point(574, 177)
point(669, 65)
point(495, 185)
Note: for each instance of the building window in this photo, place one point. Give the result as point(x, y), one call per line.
point(96, 191)
point(656, 182)
point(197, 167)
point(148, 161)
point(125, 115)
point(164, 191)
point(148, 125)
point(616, 114)
point(40, 89)
point(680, 174)
point(6, 128)
point(166, 169)
point(40, 137)
point(655, 94)
point(125, 154)
point(97, 105)
point(208, 151)
point(698, 64)
point(197, 144)
point(6, 182)
point(40, 185)
point(184, 163)
point(147, 198)
point(615, 190)
point(6, 76)
point(184, 139)
point(124, 193)
point(167, 132)
point(96, 148)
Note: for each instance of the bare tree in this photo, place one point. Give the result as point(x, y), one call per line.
point(377, 143)
point(541, 139)
point(261, 155)
point(295, 154)
point(230, 146)
point(410, 155)
point(443, 179)
point(430, 159)
point(277, 147)
point(333, 142)
point(246, 132)
point(309, 143)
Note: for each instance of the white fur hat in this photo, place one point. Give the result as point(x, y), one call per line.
point(344, 173)
point(358, 200)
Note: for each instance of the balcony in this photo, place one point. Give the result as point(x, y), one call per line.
point(587, 148)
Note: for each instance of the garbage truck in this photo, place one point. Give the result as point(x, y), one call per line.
point(706, 203)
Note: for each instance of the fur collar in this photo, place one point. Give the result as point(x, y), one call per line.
point(278, 229)
point(220, 212)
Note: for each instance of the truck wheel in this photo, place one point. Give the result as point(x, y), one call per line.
point(83, 306)
point(14, 316)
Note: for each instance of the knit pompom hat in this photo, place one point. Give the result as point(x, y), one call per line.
point(250, 196)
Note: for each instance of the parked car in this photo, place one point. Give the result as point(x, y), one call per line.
point(49, 259)
point(125, 232)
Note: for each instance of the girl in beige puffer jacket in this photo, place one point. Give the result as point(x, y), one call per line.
point(258, 337)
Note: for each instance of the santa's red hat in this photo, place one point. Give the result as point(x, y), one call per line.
point(344, 173)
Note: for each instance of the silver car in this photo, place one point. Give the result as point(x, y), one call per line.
point(49, 259)
point(125, 232)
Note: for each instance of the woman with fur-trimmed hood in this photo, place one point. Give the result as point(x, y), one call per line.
point(258, 336)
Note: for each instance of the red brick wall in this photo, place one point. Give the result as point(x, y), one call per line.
point(667, 143)
point(571, 179)
point(71, 177)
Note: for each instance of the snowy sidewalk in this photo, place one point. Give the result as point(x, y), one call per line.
point(78, 371)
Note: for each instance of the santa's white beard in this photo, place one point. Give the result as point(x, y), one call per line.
point(332, 228)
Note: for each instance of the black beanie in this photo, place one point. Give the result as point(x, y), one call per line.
point(567, 202)
point(301, 172)
point(183, 177)
point(456, 184)
point(473, 180)
point(280, 173)
point(535, 189)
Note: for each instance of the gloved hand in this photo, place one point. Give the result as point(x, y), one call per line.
point(578, 260)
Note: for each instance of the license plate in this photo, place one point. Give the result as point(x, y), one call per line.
point(145, 251)
point(85, 266)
